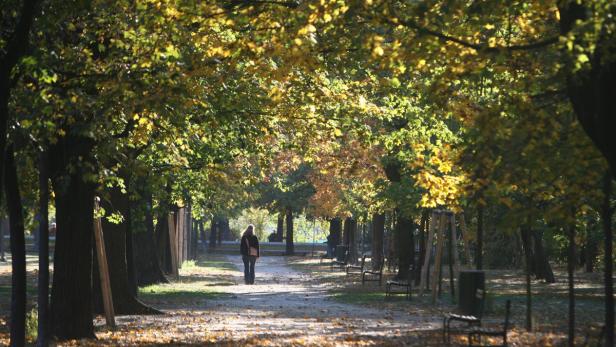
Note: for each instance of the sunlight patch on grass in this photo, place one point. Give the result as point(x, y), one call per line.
point(359, 297)
point(179, 291)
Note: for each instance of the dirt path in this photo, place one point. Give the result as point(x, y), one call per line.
point(284, 307)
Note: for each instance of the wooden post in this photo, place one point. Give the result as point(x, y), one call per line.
point(424, 268)
point(172, 246)
point(436, 274)
point(102, 267)
point(466, 239)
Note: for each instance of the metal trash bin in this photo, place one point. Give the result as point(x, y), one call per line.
point(471, 291)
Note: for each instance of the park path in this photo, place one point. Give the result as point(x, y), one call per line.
point(284, 307)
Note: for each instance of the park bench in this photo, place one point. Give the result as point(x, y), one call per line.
point(406, 284)
point(342, 257)
point(478, 332)
point(373, 275)
point(469, 319)
point(356, 269)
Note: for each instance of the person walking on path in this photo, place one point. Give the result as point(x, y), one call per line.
point(249, 248)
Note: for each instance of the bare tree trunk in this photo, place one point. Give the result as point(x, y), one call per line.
point(43, 275)
point(71, 160)
point(606, 215)
point(422, 245)
point(147, 260)
point(280, 227)
point(570, 276)
point(18, 251)
point(405, 249)
point(124, 300)
point(542, 266)
point(479, 255)
point(213, 232)
point(526, 240)
point(378, 231)
point(290, 248)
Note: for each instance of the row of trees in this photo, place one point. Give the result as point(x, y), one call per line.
point(339, 109)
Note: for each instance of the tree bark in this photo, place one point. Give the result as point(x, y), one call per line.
point(335, 232)
point(606, 215)
point(479, 255)
point(213, 229)
point(290, 248)
point(15, 48)
point(571, 284)
point(220, 229)
point(130, 253)
point(280, 227)
point(146, 255)
point(405, 249)
point(18, 251)
point(378, 231)
point(3, 223)
point(124, 300)
point(526, 241)
point(345, 231)
point(591, 90)
point(422, 245)
point(162, 241)
point(352, 239)
point(43, 275)
point(543, 269)
point(71, 294)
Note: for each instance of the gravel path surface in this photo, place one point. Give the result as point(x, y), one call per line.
point(284, 307)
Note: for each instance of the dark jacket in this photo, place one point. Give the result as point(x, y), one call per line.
point(252, 241)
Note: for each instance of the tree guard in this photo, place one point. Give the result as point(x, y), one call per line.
point(102, 267)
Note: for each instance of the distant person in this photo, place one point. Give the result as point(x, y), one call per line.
point(249, 248)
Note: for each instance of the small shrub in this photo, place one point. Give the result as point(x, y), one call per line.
point(189, 264)
point(32, 324)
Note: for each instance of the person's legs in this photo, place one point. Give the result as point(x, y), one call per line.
point(246, 261)
point(253, 260)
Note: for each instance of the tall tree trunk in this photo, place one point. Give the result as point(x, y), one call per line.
point(378, 231)
point(194, 239)
point(213, 232)
point(124, 300)
point(203, 237)
point(479, 255)
point(542, 266)
point(335, 231)
point(352, 243)
point(526, 241)
point(163, 242)
point(591, 90)
point(3, 223)
point(570, 272)
point(220, 229)
point(280, 227)
point(43, 275)
point(130, 253)
point(345, 231)
point(71, 294)
point(606, 215)
point(290, 248)
point(18, 251)
point(405, 249)
point(423, 226)
point(147, 260)
point(14, 49)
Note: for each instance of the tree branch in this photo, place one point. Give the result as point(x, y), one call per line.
point(477, 47)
